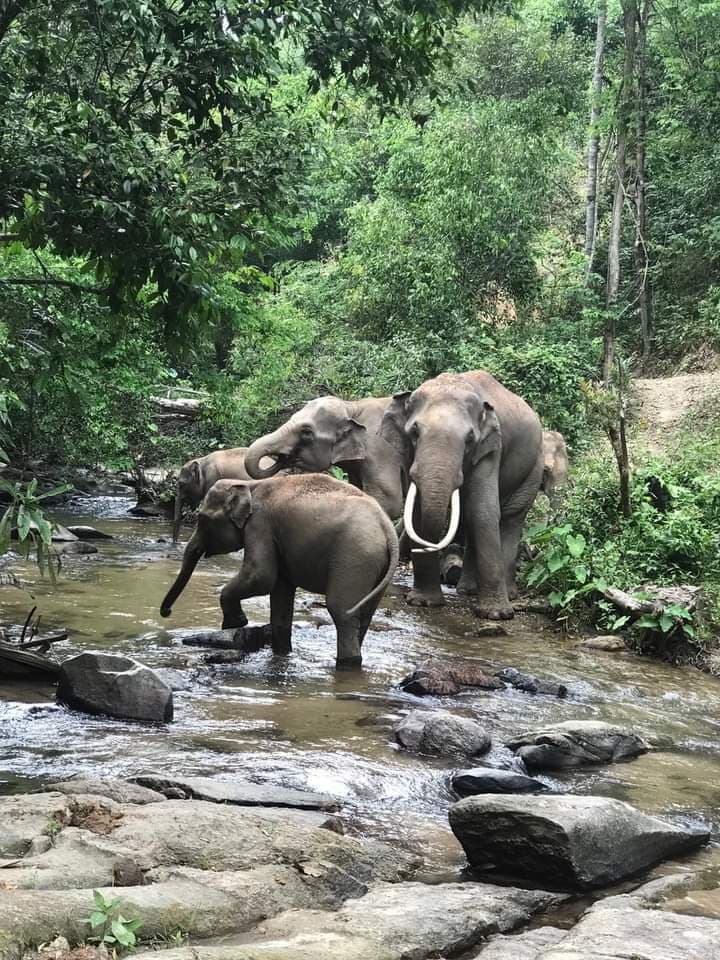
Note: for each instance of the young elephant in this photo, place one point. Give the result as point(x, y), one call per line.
point(197, 476)
point(309, 531)
point(555, 465)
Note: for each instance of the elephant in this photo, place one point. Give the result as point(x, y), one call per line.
point(303, 530)
point(197, 476)
point(555, 465)
point(329, 432)
point(473, 448)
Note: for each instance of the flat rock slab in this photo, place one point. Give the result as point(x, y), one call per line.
point(412, 921)
point(440, 733)
point(576, 743)
point(244, 793)
point(27, 817)
point(565, 842)
point(637, 935)
point(89, 533)
point(121, 791)
point(468, 783)
point(321, 946)
point(522, 946)
point(101, 683)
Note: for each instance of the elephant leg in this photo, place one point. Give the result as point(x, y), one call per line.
point(426, 590)
point(349, 582)
point(282, 600)
point(255, 579)
point(468, 582)
point(511, 529)
point(483, 526)
point(350, 634)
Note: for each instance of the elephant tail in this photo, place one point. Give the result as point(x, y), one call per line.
point(393, 551)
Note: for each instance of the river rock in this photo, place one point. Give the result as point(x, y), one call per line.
point(121, 791)
point(440, 678)
point(609, 642)
point(565, 842)
point(442, 733)
point(76, 548)
point(468, 783)
point(576, 743)
point(115, 686)
point(412, 921)
point(521, 946)
point(529, 684)
point(241, 792)
point(89, 533)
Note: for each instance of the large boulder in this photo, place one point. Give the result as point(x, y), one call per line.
point(576, 743)
point(115, 686)
point(565, 842)
point(468, 783)
point(442, 733)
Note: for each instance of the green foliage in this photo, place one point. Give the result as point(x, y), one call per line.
point(25, 521)
point(112, 928)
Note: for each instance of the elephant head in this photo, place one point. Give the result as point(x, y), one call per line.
point(441, 433)
point(220, 529)
point(190, 490)
point(313, 439)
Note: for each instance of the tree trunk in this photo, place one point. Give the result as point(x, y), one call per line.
point(594, 141)
point(642, 260)
point(623, 126)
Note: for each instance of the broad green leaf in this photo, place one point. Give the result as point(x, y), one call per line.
point(666, 623)
point(556, 562)
point(576, 545)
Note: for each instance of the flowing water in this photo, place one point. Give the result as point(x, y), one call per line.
point(295, 721)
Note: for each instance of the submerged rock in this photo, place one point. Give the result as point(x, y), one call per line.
point(468, 783)
point(528, 684)
point(609, 642)
point(241, 792)
point(442, 733)
point(89, 533)
point(576, 743)
point(77, 548)
point(440, 678)
point(565, 842)
point(115, 686)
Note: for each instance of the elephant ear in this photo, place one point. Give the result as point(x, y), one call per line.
point(490, 438)
point(392, 428)
point(239, 504)
point(194, 471)
point(350, 442)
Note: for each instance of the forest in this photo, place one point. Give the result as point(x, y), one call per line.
point(268, 208)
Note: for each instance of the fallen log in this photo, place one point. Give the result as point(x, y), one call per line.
point(22, 663)
point(248, 639)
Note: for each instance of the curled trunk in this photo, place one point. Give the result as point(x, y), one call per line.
point(193, 553)
point(273, 446)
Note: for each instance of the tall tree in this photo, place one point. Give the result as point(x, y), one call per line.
point(623, 126)
point(642, 261)
point(594, 139)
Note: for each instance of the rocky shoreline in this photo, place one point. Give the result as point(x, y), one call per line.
point(254, 871)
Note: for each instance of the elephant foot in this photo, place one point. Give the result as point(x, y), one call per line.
point(420, 598)
point(465, 589)
point(494, 613)
point(348, 663)
point(234, 622)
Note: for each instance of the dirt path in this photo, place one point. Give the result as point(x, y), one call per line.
point(663, 402)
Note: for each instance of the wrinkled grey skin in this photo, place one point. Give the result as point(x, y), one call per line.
point(330, 432)
point(468, 432)
point(555, 465)
point(308, 531)
point(197, 476)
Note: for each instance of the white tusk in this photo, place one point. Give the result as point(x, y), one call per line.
point(425, 545)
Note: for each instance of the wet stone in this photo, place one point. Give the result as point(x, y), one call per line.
point(529, 684)
point(467, 783)
point(565, 842)
point(576, 743)
point(440, 678)
point(89, 533)
point(240, 792)
point(442, 733)
point(114, 686)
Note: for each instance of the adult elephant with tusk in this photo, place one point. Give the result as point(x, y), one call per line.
point(197, 476)
point(330, 432)
point(473, 452)
point(308, 531)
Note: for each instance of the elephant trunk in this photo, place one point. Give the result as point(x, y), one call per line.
point(193, 553)
point(274, 446)
point(177, 516)
point(437, 493)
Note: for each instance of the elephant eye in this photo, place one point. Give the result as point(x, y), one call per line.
point(306, 434)
point(414, 433)
point(470, 438)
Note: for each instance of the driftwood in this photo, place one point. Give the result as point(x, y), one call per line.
point(44, 642)
point(659, 599)
point(185, 407)
point(22, 663)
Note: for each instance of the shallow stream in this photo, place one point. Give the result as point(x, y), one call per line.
point(295, 721)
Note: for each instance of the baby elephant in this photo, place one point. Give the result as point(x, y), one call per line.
point(307, 531)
